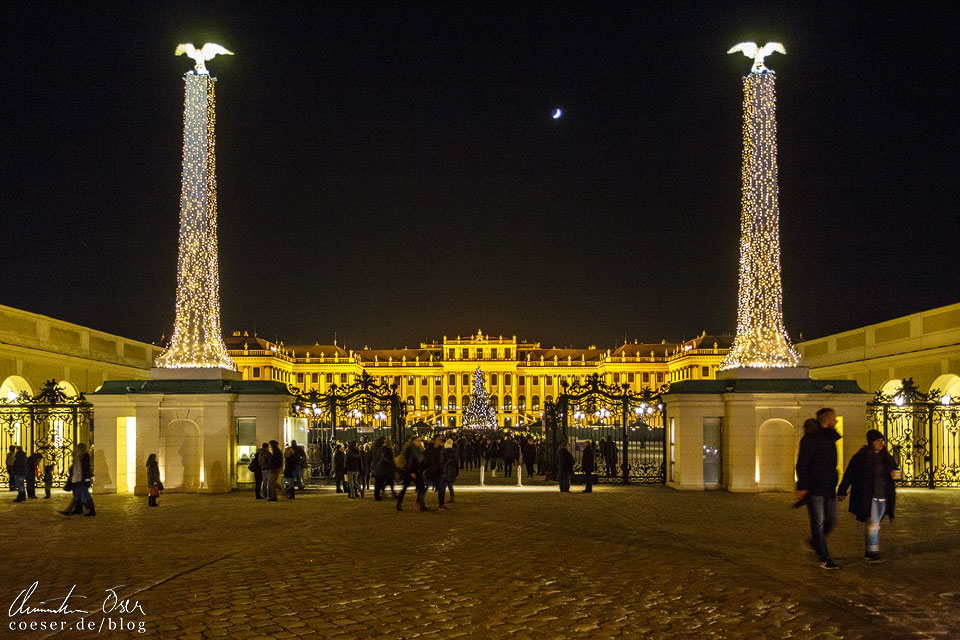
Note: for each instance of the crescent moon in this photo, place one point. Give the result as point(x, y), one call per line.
point(557, 113)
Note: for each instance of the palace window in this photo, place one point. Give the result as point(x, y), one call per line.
point(423, 380)
point(409, 379)
point(521, 380)
point(452, 403)
point(493, 353)
point(424, 403)
point(616, 377)
point(630, 377)
point(507, 379)
point(256, 372)
point(453, 354)
point(548, 399)
point(493, 379)
point(439, 380)
point(465, 354)
point(536, 381)
point(315, 378)
point(521, 403)
point(646, 377)
point(452, 379)
point(466, 379)
point(396, 380)
point(508, 404)
point(437, 403)
point(535, 403)
point(465, 400)
point(299, 378)
point(548, 381)
point(493, 401)
point(705, 372)
point(329, 378)
point(660, 376)
point(506, 353)
point(410, 403)
point(479, 354)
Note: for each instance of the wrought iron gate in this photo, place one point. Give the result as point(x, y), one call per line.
point(49, 423)
point(922, 431)
point(627, 429)
point(343, 413)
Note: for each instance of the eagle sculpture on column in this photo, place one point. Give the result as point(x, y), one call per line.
point(207, 52)
point(751, 50)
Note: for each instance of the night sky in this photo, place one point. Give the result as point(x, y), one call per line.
point(390, 172)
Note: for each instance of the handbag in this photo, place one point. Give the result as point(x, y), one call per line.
point(399, 461)
point(68, 485)
point(159, 486)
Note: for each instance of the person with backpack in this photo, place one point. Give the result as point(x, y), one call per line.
point(254, 468)
point(449, 470)
point(817, 482)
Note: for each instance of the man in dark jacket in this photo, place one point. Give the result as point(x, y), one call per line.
point(873, 495)
point(339, 466)
point(11, 457)
point(529, 455)
point(817, 482)
point(509, 453)
point(433, 463)
point(33, 465)
point(265, 460)
point(565, 467)
point(588, 462)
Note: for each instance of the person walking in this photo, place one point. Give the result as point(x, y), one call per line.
point(529, 455)
point(254, 468)
point(449, 470)
point(588, 461)
point(414, 463)
point(20, 474)
point(339, 458)
point(352, 466)
point(384, 470)
point(565, 467)
point(291, 463)
point(81, 475)
point(817, 482)
point(367, 461)
point(510, 455)
point(153, 480)
point(870, 478)
point(276, 467)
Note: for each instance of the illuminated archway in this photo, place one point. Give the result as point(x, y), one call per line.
point(948, 385)
point(776, 454)
point(13, 386)
point(181, 456)
point(68, 388)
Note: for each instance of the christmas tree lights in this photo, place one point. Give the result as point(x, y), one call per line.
point(761, 340)
point(479, 413)
point(197, 341)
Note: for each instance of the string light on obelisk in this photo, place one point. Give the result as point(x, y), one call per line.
point(761, 339)
point(197, 341)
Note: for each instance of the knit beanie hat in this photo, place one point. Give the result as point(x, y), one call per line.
point(872, 435)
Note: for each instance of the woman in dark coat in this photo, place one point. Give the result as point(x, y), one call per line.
point(869, 476)
point(384, 470)
point(153, 480)
point(449, 469)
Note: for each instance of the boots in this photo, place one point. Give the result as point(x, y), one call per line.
point(21, 496)
point(46, 491)
point(92, 511)
point(77, 509)
point(152, 501)
point(290, 493)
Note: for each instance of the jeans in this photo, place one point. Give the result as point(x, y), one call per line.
point(265, 483)
point(565, 481)
point(20, 483)
point(81, 495)
point(353, 484)
point(272, 476)
point(442, 488)
point(872, 536)
point(823, 515)
point(507, 467)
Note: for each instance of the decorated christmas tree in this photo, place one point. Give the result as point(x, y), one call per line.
point(479, 412)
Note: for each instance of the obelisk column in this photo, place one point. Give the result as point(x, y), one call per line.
point(761, 340)
point(197, 342)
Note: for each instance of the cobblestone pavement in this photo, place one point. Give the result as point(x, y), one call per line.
point(624, 562)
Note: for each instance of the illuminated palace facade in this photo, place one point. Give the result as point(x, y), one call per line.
point(436, 378)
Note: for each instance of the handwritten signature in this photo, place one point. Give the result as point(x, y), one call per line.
point(112, 602)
